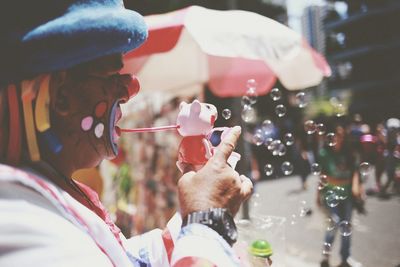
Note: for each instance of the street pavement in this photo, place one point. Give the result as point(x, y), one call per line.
point(375, 236)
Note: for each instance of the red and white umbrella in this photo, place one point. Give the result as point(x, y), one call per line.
point(196, 45)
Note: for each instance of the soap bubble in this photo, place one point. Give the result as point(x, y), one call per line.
point(274, 146)
point(248, 114)
point(288, 139)
point(323, 181)
point(258, 138)
point(226, 114)
point(252, 95)
point(339, 109)
point(268, 141)
point(345, 228)
point(293, 219)
point(340, 192)
point(321, 129)
point(330, 139)
point(310, 127)
point(268, 169)
point(301, 100)
point(267, 126)
point(327, 249)
point(365, 168)
point(315, 169)
point(330, 224)
point(251, 83)
point(246, 101)
point(281, 150)
point(305, 209)
point(254, 201)
point(276, 94)
point(332, 200)
point(287, 168)
point(280, 110)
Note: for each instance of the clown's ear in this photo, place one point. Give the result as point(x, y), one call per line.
point(58, 93)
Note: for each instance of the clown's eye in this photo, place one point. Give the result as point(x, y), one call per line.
point(208, 107)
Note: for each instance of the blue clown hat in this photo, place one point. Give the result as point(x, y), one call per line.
point(43, 36)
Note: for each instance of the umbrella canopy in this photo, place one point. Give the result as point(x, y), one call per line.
point(196, 45)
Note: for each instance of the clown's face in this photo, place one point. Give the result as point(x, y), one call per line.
point(87, 110)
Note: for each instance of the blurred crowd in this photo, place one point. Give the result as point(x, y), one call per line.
point(375, 146)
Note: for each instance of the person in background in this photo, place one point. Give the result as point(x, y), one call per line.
point(60, 97)
point(392, 157)
point(338, 163)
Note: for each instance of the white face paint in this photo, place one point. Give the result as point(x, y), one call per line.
point(99, 130)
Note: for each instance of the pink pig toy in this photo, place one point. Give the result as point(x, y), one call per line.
point(195, 123)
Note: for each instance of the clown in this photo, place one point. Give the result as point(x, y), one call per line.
point(60, 96)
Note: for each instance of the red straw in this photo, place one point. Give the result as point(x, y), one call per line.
point(150, 129)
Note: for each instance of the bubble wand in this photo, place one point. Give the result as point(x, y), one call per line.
point(150, 129)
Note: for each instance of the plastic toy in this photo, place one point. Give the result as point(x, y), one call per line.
point(195, 122)
point(261, 251)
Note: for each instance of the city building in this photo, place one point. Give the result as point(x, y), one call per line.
point(363, 49)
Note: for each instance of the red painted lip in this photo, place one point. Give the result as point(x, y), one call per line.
point(117, 130)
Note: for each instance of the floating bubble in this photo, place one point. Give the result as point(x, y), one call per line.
point(254, 201)
point(251, 83)
point(365, 168)
point(288, 139)
point(305, 209)
point(310, 127)
point(280, 110)
point(321, 129)
point(323, 181)
point(248, 114)
point(258, 138)
point(301, 100)
point(274, 146)
point(315, 169)
point(268, 169)
point(330, 224)
point(246, 101)
point(339, 109)
point(268, 141)
point(287, 168)
point(327, 249)
point(251, 93)
point(281, 150)
point(330, 139)
point(226, 114)
point(345, 228)
point(276, 94)
point(293, 219)
point(340, 192)
point(267, 126)
point(332, 200)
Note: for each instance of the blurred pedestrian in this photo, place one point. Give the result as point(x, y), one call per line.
point(392, 156)
point(338, 163)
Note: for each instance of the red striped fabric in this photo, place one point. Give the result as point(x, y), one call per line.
point(168, 243)
point(193, 262)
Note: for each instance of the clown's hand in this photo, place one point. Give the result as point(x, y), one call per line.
point(216, 185)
